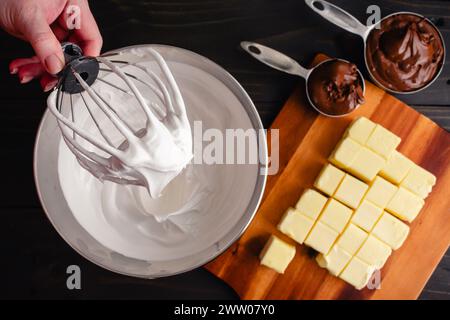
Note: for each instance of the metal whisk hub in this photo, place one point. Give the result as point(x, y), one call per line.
point(87, 67)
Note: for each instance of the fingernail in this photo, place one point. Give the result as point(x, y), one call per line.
point(53, 64)
point(25, 79)
point(14, 71)
point(49, 86)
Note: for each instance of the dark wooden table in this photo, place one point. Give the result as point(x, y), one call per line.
point(34, 258)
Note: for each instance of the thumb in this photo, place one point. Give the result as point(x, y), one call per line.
point(37, 31)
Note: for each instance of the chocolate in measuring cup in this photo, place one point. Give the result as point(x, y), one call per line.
point(404, 52)
point(334, 87)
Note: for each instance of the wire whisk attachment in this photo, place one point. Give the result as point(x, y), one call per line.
point(123, 116)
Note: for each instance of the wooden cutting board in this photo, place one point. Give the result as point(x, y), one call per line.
point(306, 140)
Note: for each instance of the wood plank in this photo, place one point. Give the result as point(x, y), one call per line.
point(306, 140)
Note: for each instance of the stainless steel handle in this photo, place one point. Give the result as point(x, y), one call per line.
point(339, 17)
point(274, 59)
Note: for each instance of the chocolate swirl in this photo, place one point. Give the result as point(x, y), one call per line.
point(335, 87)
point(406, 53)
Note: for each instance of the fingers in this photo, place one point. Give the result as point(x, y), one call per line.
point(85, 33)
point(30, 71)
point(32, 67)
point(37, 31)
point(26, 69)
point(45, 40)
point(16, 64)
point(48, 82)
point(89, 37)
point(60, 33)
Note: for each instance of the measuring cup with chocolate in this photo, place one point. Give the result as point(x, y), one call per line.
point(334, 87)
point(404, 52)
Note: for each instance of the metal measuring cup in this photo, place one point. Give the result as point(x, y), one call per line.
point(282, 62)
point(346, 21)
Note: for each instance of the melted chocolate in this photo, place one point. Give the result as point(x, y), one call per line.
point(335, 87)
point(406, 53)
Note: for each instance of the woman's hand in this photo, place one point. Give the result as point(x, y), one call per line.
point(45, 24)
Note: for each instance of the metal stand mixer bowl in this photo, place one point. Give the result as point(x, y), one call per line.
point(60, 215)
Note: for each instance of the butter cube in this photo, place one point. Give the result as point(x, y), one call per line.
point(329, 179)
point(405, 205)
point(380, 192)
point(345, 152)
point(383, 141)
point(311, 203)
point(277, 254)
point(367, 215)
point(357, 273)
point(351, 191)
point(374, 252)
point(336, 215)
point(391, 231)
point(335, 260)
point(352, 239)
point(360, 130)
point(396, 168)
point(366, 164)
point(295, 225)
point(419, 181)
point(321, 238)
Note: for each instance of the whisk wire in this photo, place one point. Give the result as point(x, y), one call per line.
point(97, 125)
point(162, 108)
point(152, 120)
point(106, 108)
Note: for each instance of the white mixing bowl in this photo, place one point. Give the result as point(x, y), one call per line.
point(58, 211)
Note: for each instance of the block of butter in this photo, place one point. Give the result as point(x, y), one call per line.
point(380, 192)
point(321, 238)
point(366, 164)
point(405, 205)
point(345, 152)
point(336, 215)
point(367, 215)
point(351, 191)
point(277, 254)
point(357, 273)
point(396, 168)
point(383, 141)
point(419, 181)
point(360, 130)
point(335, 260)
point(374, 252)
point(311, 203)
point(295, 225)
point(391, 231)
point(352, 238)
point(329, 179)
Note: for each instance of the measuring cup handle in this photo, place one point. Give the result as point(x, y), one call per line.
point(274, 59)
point(338, 16)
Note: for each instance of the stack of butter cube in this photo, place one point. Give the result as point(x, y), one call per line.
point(355, 218)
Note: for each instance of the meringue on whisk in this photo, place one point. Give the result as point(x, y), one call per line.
point(103, 90)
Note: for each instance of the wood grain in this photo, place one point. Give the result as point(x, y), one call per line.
point(306, 140)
